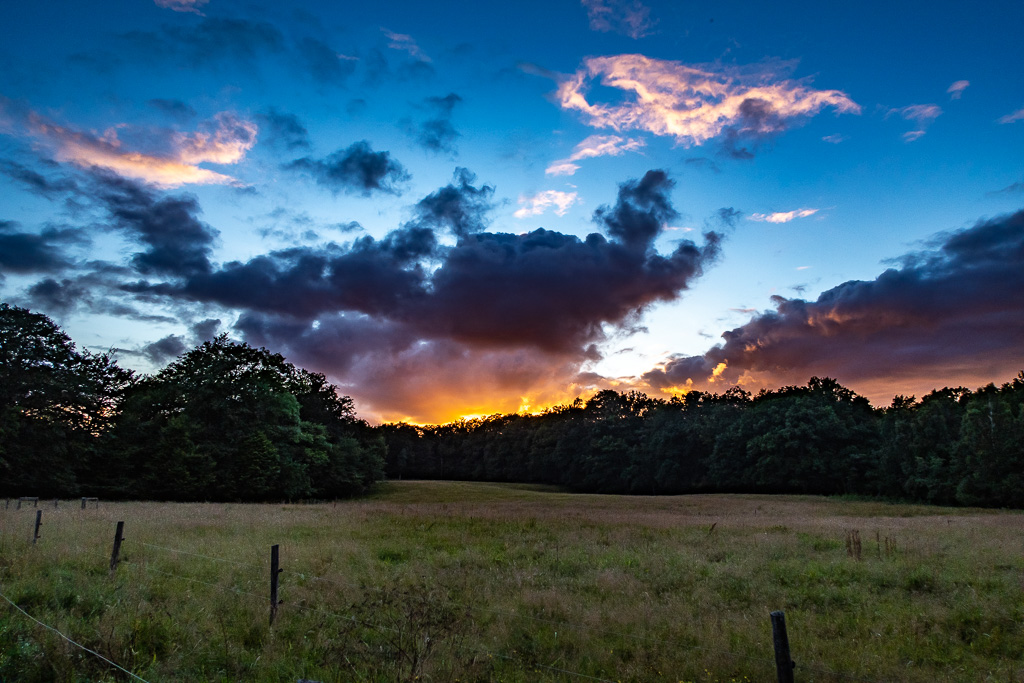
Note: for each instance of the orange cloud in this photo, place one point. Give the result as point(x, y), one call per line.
point(465, 382)
point(691, 104)
point(224, 140)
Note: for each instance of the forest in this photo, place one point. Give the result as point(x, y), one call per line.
point(229, 422)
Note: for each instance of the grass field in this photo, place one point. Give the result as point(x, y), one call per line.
point(447, 581)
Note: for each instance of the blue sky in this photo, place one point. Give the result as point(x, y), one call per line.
point(362, 187)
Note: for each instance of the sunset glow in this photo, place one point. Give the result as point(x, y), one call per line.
point(456, 214)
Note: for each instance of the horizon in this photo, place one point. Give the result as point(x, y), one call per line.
point(455, 214)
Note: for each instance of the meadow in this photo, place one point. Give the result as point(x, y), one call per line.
point(451, 581)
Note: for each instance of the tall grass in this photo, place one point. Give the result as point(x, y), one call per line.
point(444, 581)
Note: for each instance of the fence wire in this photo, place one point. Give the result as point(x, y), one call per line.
point(76, 644)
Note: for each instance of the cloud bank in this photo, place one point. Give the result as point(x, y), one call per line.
point(953, 311)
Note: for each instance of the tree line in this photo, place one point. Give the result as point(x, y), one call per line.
point(952, 447)
point(226, 421)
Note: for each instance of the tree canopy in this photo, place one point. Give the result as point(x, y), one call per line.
point(55, 402)
point(225, 421)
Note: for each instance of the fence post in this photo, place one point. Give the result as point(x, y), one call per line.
point(83, 502)
point(784, 664)
point(115, 555)
point(39, 523)
point(275, 569)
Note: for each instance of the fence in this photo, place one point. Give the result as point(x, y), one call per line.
point(785, 667)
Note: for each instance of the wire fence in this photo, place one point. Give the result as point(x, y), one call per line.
point(145, 564)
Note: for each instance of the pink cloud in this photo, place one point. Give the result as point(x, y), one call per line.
point(594, 146)
point(957, 89)
point(782, 216)
point(693, 104)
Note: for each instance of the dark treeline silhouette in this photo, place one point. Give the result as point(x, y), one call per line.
point(224, 422)
point(954, 446)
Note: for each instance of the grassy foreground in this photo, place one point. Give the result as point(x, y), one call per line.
point(446, 581)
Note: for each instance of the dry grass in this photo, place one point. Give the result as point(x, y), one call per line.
point(458, 581)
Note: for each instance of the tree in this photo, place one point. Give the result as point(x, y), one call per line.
point(232, 422)
point(55, 405)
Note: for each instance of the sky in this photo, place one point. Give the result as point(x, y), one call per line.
point(457, 209)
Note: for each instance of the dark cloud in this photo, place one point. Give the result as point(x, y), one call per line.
point(205, 330)
point(642, 209)
point(163, 350)
point(323, 63)
point(953, 312)
point(350, 226)
point(98, 291)
point(334, 342)
point(177, 243)
point(543, 289)
point(757, 124)
point(208, 40)
point(702, 163)
point(548, 290)
point(282, 130)
point(30, 252)
point(458, 206)
point(378, 68)
point(176, 109)
point(357, 169)
point(437, 133)
point(726, 218)
point(1013, 188)
point(45, 186)
point(57, 296)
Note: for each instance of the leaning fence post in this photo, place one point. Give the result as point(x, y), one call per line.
point(784, 664)
point(275, 569)
point(39, 523)
point(115, 554)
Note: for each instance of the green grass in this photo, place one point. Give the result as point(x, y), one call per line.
point(453, 581)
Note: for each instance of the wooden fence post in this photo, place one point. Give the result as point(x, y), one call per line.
point(116, 553)
point(39, 523)
point(275, 569)
point(784, 664)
